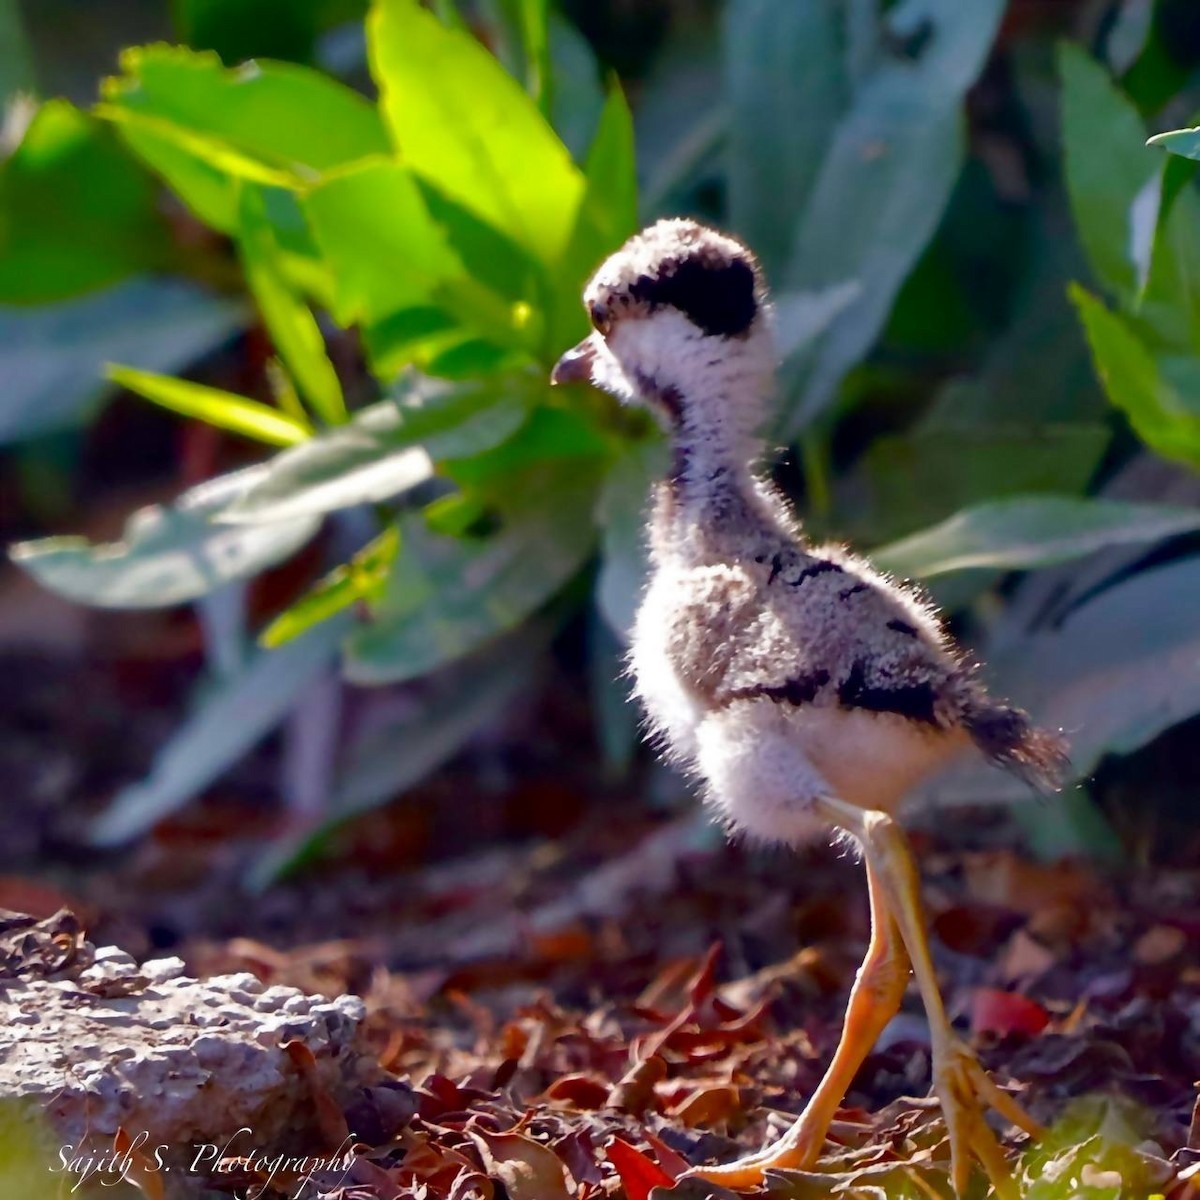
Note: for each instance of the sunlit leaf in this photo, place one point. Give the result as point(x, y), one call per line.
point(215, 407)
point(1031, 531)
point(290, 321)
point(361, 578)
point(387, 449)
point(287, 117)
point(460, 121)
point(1184, 142)
point(391, 258)
point(167, 555)
point(231, 718)
point(1165, 418)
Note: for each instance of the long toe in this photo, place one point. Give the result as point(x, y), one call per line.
point(966, 1092)
point(790, 1153)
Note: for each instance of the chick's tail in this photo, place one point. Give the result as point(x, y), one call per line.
point(1008, 737)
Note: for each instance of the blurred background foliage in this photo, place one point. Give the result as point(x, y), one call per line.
point(344, 243)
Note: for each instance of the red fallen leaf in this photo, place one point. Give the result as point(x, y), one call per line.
point(634, 1091)
point(994, 1011)
point(638, 1173)
point(703, 982)
point(144, 1173)
point(579, 1090)
point(331, 1121)
point(670, 1160)
point(708, 1106)
point(528, 1169)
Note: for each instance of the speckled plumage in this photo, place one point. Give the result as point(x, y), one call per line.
point(774, 669)
point(801, 686)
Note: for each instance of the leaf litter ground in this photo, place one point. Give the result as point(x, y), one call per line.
point(586, 1010)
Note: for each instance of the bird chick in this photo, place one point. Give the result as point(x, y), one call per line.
point(800, 686)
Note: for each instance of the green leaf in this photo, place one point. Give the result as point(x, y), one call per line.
point(576, 95)
point(392, 259)
point(166, 555)
point(448, 597)
point(786, 79)
point(607, 215)
point(1160, 415)
point(362, 578)
point(213, 406)
point(235, 715)
point(1023, 532)
point(461, 122)
point(883, 185)
point(290, 119)
point(16, 56)
point(1107, 166)
point(387, 449)
point(291, 324)
point(962, 461)
point(1117, 670)
point(75, 213)
point(203, 127)
point(1184, 142)
point(52, 358)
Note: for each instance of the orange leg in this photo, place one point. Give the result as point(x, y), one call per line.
point(898, 938)
point(874, 1000)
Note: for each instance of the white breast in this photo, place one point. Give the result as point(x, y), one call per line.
point(673, 710)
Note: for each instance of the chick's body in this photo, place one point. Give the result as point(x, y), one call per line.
point(778, 671)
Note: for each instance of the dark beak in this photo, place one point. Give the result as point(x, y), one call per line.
point(576, 365)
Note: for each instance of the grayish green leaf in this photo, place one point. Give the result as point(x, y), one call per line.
point(1107, 166)
point(1184, 142)
point(1118, 670)
point(167, 555)
point(387, 449)
point(449, 596)
point(395, 755)
point(52, 358)
point(235, 715)
point(787, 86)
point(1031, 531)
point(883, 185)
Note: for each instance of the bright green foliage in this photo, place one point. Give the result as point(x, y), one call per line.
point(1165, 417)
point(213, 406)
point(290, 322)
point(452, 224)
point(467, 128)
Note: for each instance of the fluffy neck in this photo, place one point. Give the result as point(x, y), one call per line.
point(712, 496)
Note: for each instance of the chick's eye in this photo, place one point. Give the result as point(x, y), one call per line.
point(601, 319)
